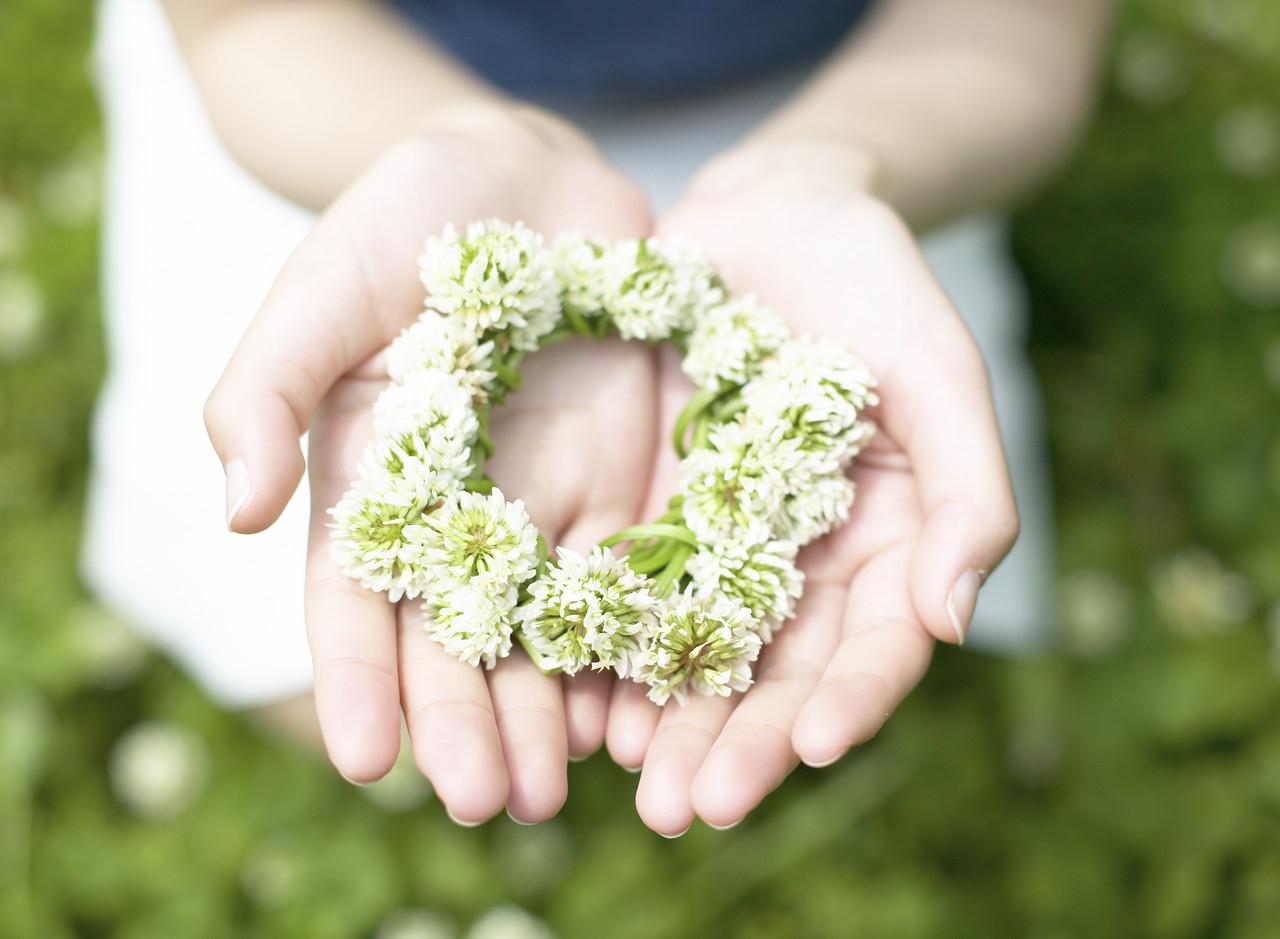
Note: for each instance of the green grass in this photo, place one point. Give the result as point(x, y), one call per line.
point(1127, 785)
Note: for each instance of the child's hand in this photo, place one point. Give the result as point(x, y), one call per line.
point(934, 511)
point(575, 444)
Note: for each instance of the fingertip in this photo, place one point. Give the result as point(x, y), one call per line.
point(534, 804)
point(263, 460)
point(951, 561)
point(538, 784)
point(732, 781)
point(662, 803)
point(842, 714)
point(586, 707)
point(362, 758)
point(630, 727)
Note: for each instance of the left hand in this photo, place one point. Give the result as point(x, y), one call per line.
point(934, 513)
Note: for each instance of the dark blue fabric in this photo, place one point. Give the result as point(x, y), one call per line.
point(595, 48)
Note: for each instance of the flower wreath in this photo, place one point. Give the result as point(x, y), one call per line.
point(764, 444)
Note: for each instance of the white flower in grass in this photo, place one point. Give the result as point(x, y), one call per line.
point(762, 576)
point(438, 342)
point(734, 489)
point(581, 265)
point(474, 535)
point(472, 619)
point(654, 288)
point(816, 506)
point(589, 610)
point(814, 395)
point(703, 644)
point(494, 278)
point(729, 342)
point(371, 539)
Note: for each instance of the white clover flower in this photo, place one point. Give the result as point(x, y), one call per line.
point(439, 342)
point(734, 488)
point(371, 540)
point(814, 395)
point(509, 922)
point(816, 506)
point(654, 288)
point(706, 644)
point(495, 278)
point(763, 577)
point(472, 619)
point(426, 422)
point(158, 770)
point(589, 610)
point(729, 342)
point(581, 267)
point(475, 534)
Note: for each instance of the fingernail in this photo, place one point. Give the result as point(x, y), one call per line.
point(679, 834)
point(824, 763)
point(961, 602)
point(514, 819)
point(631, 769)
point(364, 785)
point(579, 759)
point(238, 489)
point(725, 827)
point(457, 821)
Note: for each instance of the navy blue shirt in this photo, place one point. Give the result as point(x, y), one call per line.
point(604, 48)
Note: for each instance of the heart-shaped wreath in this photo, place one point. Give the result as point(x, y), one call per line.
point(764, 444)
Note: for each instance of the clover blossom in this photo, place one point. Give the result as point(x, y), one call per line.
point(762, 576)
point(814, 395)
point(441, 342)
point(653, 288)
point(580, 265)
point(590, 610)
point(475, 534)
point(704, 644)
point(424, 424)
point(729, 342)
point(734, 488)
point(494, 278)
point(371, 540)
point(473, 619)
point(815, 506)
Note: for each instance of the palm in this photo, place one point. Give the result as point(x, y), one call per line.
point(574, 443)
point(847, 272)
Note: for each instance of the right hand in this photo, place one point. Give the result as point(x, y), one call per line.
point(574, 443)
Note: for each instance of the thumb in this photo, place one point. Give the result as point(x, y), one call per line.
point(316, 324)
point(942, 412)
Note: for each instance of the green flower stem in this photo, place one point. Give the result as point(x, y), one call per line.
point(651, 562)
point(728, 408)
point(533, 654)
point(478, 482)
point(509, 376)
point(691, 414)
point(556, 335)
point(666, 582)
point(577, 322)
point(653, 531)
point(701, 433)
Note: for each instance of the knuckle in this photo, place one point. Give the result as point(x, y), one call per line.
point(217, 415)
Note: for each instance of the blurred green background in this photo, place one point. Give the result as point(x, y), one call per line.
point(1127, 784)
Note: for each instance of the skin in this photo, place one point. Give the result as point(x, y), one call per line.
point(813, 212)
